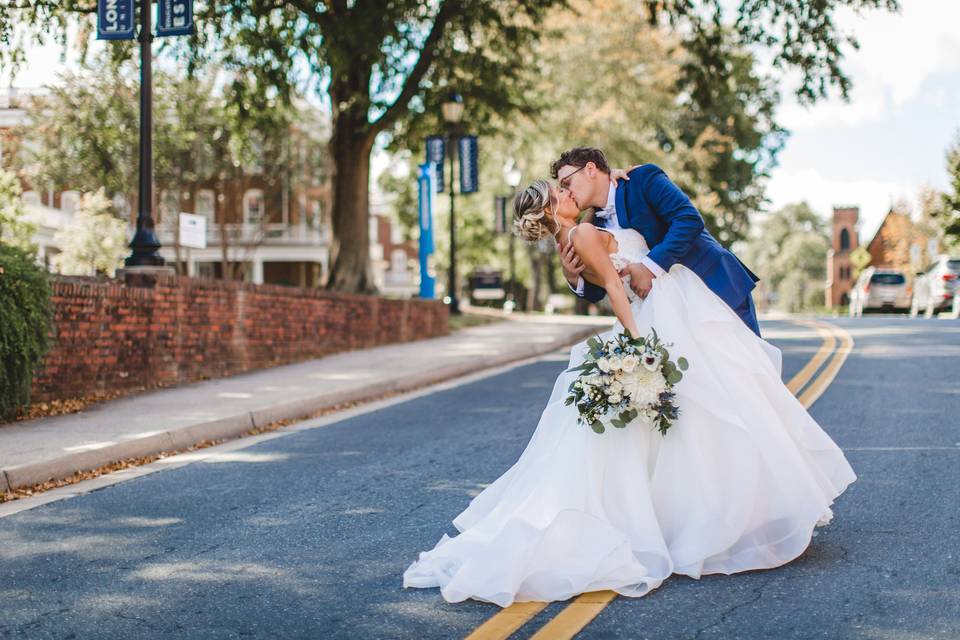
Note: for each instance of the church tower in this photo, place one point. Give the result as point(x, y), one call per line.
point(839, 271)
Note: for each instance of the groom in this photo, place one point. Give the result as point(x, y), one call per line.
point(673, 228)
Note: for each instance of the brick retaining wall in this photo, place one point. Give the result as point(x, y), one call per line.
point(108, 336)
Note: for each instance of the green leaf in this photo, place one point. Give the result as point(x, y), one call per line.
point(675, 377)
point(597, 427)
point(569, 401)
point(682, 363)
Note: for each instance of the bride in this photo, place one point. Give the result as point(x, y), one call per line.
point(737, 483)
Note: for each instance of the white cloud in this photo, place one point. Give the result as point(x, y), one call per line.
point(898, 52)
point(874, 197)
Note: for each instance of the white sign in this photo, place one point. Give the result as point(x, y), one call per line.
point(193, 231)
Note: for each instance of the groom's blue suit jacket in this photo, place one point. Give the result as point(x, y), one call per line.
point(673, 228)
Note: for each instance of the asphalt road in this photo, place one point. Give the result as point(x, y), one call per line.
point(307, 535)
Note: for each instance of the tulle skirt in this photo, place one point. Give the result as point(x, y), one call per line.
point(738, 483)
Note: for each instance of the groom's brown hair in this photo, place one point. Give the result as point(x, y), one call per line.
point(579, 157)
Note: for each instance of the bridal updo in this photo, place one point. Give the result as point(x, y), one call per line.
point(531, 220)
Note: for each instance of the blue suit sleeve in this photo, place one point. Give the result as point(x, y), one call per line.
point(593, 292)
point(672, 205)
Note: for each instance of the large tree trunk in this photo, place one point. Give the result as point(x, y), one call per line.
point(350, 147)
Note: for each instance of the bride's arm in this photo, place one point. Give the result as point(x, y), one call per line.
point(589, 246)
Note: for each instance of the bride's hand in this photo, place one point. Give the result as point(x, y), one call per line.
point(621, 174)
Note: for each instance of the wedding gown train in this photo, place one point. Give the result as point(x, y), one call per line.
point(738, 483)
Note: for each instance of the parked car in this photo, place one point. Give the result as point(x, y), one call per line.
point(486, 287)
point(879, 289)
point(934, 289)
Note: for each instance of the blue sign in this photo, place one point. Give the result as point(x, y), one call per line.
point(425, 179)
point(174, 17)
point(469, 168)
point(436, 151)
point(115, 20)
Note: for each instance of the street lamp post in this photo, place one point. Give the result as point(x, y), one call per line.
point(512, 175)
point(452, 113)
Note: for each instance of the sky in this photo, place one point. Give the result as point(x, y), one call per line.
point(882, 146)
point(891, 138)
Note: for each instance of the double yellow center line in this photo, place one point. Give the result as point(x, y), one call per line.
point(834, 349)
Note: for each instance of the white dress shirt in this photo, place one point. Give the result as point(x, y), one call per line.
point(609, 215)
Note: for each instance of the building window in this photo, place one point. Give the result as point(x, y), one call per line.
point(31, 198)
point(121, 206)
point(69, 201)
point(253, 206)
point(169, 207)
point(205, 204)
point(844, 240)
point(398, 261)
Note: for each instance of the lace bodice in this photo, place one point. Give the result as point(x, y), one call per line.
point(631, 247)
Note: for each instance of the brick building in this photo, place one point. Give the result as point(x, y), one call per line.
point(264, 229)
point(839, 270)
point(900, 244)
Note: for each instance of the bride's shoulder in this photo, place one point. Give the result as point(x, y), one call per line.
point(585, 231)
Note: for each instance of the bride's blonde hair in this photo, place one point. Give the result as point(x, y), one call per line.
point(531, 220)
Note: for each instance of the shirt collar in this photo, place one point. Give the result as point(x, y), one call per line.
point(611, 197)
point(611, 207)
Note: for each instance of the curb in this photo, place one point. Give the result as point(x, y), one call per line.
point(233, 427)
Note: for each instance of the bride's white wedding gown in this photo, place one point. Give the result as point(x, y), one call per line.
point(738, 483)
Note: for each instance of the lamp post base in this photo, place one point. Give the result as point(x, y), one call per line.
point(144, 276)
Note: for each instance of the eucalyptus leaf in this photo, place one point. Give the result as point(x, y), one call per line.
point(682, 363)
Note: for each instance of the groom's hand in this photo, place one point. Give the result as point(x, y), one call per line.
point(572, 265)
point(641, 278)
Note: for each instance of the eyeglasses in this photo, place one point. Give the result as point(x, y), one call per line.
point(565, 182)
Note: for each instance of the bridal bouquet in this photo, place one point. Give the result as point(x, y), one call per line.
point(629, 377)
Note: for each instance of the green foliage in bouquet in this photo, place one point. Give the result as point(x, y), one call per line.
point(629, 378)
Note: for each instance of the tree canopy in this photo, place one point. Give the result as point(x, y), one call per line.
point(385, 67)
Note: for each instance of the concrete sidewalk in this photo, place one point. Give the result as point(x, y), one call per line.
point(144, 424)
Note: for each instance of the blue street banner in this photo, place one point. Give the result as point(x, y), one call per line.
point(175, 18)
point(500, 214)
point(115, 20)
point(427, 196)
point(436, 151)
point(469, 169)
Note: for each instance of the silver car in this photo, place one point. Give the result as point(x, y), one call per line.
point(933, 289)
point(879, 289)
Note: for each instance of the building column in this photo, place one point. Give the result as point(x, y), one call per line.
point(257, 271)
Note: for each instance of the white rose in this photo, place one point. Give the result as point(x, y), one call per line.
point(630, 363)
point(615, 399)
point(616, 387)
point(616, 363)
point(604, 364)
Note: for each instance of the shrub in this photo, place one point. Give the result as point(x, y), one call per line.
point(24, 325)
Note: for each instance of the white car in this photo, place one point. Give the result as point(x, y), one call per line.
point(934, 289)
point(879, 289)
